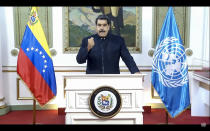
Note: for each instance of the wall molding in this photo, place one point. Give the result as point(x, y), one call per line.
point(30, 107)
point(83, 68)
point(2, 99)
point(4, 110)
point(18, 91)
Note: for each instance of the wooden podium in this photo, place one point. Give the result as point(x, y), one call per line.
point(79, 88)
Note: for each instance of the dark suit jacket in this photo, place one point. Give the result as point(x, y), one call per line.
point(105, 55)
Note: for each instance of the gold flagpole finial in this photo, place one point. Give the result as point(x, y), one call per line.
point(36, 7)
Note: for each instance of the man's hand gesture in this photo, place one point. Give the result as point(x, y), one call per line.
point(91, 43)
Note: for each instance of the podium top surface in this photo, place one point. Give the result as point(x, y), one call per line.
point(103, 75)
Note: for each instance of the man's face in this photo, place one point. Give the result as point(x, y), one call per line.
point(102, 28)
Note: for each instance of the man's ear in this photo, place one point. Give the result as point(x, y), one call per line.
point(109, 26)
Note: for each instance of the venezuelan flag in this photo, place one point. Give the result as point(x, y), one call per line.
point(34, 64)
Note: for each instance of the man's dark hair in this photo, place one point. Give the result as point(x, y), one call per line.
point(103, 17)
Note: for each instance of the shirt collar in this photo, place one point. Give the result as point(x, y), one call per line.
point(103, 38)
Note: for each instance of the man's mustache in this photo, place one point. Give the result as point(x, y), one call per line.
point(102, 31)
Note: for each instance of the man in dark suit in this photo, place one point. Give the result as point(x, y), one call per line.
point(103, 51)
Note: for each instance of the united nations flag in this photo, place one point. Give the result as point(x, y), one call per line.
point(169, 68)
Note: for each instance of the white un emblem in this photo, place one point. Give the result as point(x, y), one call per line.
point(170, 63)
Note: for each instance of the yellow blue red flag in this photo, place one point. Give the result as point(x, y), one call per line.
point(34, 64)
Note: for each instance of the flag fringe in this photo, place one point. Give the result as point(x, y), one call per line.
point(167, 110)
point(178, 113)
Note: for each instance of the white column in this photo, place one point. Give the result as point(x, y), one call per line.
point(206, 34)
point(2, 103)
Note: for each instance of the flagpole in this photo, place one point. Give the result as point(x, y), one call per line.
point(166, 117)
point(34, 111)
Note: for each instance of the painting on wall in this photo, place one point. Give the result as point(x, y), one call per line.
point(79, 22)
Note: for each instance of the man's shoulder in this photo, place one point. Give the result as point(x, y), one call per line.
point(117, 37)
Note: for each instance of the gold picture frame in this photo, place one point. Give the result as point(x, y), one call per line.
point(154, 94)
point(75, 21)
point(182, 14)
point(19, 97)
point(21, 17)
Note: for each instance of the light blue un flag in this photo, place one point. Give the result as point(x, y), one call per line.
point(169, 68)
